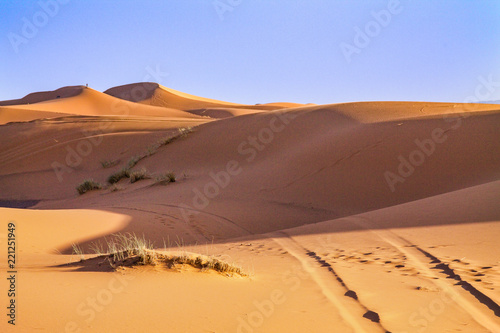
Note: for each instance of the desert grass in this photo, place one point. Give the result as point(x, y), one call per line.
point(77, 250)
point(125, 172)
point(182, 133)
point(130, 250)
point(108, 164)
point(134, 160)
point(119, 175)
point(88, 185)
point(165, 179)
point(137, 175)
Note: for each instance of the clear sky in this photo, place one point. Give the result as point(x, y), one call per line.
point(256, 51)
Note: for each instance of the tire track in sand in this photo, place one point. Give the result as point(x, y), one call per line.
point(447, 285)
point(332, 286)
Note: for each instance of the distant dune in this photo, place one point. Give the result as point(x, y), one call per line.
point(45, 96)
point(351, 217)
point(158, 95)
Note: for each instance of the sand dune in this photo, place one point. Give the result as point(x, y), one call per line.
point(158, 95)
point(355, 217)
point(43, 96)
point(92, 102)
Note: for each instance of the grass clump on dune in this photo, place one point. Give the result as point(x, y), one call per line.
point(139, 175)
point(134, 160)
point(130, 250)
point(108, 164)
point(165, 179)
point(183, 132)
point(88, 185)
point(78, 251)
point(126, 172)
point(119, 175)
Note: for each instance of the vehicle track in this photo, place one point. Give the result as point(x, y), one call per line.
point(350, 308)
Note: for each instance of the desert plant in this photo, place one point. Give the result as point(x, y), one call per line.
point(126, 249)
point(108, 164)
point(182, 132)
point(88, 185)
point(123, 246)
point(97, 248)
point(78, 251)
point(117, 176)
point(152, 149)
point(139, 175)
point(133, 161)
point(165, 179)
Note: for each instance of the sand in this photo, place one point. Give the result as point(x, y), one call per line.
point(356, 217)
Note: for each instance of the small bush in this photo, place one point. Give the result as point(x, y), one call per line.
point(109, 164)
point(139, 175)
point(119, 175)
point(88, 185)
point(165, 179)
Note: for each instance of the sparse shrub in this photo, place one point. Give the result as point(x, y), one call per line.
point(152, 149)
point(129, 249)
point(97, 248)
point(78, 251)
point(133, 161)
point(108, 164)
point(165, 179)
point(88, 185)
point(119, 175)
point(182, 132)
point(139, 175)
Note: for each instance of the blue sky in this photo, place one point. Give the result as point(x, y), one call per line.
point(255, 51)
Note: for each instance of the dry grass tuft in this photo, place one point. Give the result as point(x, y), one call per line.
point(165, 179)
point(183, 132)
point(119, 175)
point(88, 185)
point(139, 175)
point(130, 250)
point(108, 164)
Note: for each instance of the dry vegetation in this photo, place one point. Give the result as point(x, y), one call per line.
point(134, 176)
point(130, 250)
point(88, 185)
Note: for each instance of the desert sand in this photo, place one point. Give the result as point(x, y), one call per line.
point(355, 217)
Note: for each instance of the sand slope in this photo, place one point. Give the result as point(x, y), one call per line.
point(357, 217)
